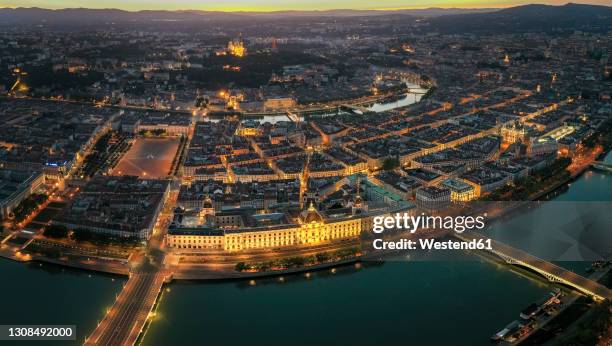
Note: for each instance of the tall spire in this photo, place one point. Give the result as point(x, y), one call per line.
point(358, 200)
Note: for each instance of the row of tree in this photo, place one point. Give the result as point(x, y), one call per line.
point(85, 235)
point(602, 137)
point(28, 205)
point(523, 188)
point(299, 261)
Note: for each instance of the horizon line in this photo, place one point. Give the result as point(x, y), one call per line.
point(295, 10)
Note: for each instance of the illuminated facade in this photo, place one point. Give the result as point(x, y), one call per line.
point(248, 128)
point(460, 190)
point(515, 132)
point(312, 229)
point(236, 48)
point(279, 103)
point(542, 146)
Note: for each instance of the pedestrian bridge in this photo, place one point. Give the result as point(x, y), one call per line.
point(602, 166)
point(355, 109)
point(550, 271)
point(294, 117)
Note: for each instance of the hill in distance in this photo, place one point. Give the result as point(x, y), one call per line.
point(525, 18)
point(544, 18)
point(34, 15)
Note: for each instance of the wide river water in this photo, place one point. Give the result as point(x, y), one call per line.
point(433, 303)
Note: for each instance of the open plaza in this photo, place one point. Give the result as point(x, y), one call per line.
point(149, 158)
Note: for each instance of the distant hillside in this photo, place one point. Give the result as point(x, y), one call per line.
point(28, 16)
point(514, 19)
point(529, 18)
point(427, 12)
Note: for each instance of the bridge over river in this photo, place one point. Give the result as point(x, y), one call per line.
point(550, 271)
point(125, 320)
point(602, 166)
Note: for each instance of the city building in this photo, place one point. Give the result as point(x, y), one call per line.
point(279, 103)
point(234, 234)
point(236, 47)
point(460, 190)
point(15, 187)
point(123, 207)
point(433, 197)
point(542, 146)
point(516, 132)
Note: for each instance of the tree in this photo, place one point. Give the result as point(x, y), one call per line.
point(322, 257)
point(56, 231)
point(240, 266)
point(390, 163)
point(158, 132)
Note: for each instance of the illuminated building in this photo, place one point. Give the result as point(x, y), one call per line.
point(433, 197)
point(170, 129)
point(279, 103)
point(561, 131)
point(515, 132)
point(542, 146)
point(196, 238)
point(407, 48)
point(248, 128)
point(485, 180)
point(232, 103)
point(460, 190)
point(236, 48)
point(243, 228)
point(232, 235)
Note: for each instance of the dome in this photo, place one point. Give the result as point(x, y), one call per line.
point(358, 201)
point(311, 215)
point(207, 203)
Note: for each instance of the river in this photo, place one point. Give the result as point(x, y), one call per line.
point(37, 293)
point(412, 97)
point(458, 303)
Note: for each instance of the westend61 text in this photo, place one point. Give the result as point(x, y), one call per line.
point(432, 244)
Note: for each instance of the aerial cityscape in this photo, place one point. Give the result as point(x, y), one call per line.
point(266, 174)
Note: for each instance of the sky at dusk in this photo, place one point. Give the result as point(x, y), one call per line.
point(276, 5)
